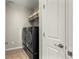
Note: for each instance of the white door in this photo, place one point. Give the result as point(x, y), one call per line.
point(53, 29)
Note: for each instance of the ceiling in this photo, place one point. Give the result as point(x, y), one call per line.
point(30, 4)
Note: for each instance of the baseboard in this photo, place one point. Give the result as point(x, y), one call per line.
point(13, 48)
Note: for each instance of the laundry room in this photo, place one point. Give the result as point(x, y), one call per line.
point(22, 29)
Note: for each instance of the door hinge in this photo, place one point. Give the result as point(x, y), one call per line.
point(43, 34)
point(69, 53)
point(43, 6)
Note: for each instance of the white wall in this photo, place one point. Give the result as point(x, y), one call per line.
point(16, 19)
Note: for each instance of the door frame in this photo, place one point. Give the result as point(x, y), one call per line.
point(69, 26)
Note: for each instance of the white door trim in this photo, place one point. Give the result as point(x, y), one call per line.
point(69, 27)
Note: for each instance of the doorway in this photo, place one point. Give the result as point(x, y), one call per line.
point(22, 29)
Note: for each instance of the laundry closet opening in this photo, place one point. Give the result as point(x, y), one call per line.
point(22, 29)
